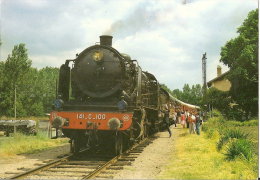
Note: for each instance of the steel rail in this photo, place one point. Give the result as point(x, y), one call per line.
point(97, 171)
point(91, 175)
point(40, 168)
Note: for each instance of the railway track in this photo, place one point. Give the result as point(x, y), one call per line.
point(85, 166)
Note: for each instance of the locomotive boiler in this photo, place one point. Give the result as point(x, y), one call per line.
point(105, 101)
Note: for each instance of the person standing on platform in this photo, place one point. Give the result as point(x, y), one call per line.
point(183, 119)
point(174, 117)
point(198, 122)
point(193, 121)
point(187, 115)
point(179, 116)
point(190, 123)
point(167, 120)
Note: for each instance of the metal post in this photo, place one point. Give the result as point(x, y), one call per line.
point(14, 129)
point(56, 90)
point(15, 101)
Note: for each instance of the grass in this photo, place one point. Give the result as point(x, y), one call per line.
point(196, 157)
point(25, 118)
point(23, 144)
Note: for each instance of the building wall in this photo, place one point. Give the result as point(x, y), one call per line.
point(222, 85)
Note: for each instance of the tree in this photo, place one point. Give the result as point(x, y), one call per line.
point(177, 93)
point(189, 95)
point(217, 99)
point(17, 65)
point(15, 68)
point(165, 88)
point(35, 88)
point(241, 56)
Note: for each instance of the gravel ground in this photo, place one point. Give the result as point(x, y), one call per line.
point(152, 160)
point(148, 165)
point(20, 163)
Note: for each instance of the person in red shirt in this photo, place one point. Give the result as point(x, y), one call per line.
point(183, 119)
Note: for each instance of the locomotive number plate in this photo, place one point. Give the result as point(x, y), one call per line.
point(91, 116)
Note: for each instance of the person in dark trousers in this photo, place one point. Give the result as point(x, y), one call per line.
point(187, 115)
point(178, 116)
point(167, 121)
point(174, 118)
point(198, 122)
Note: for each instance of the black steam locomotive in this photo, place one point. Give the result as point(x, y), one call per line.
point(105, 101)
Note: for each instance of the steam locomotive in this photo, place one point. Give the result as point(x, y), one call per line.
point(105, 101)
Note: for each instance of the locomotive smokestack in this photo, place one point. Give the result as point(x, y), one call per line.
point(106, 40)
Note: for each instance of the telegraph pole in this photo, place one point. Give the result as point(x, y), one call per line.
point(204, 73)
point(204, 80)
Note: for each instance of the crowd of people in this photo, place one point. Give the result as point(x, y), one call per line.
point(188, 119)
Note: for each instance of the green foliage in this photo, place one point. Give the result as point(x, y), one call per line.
point(165, 88)
point(241, 56)
point(239, 148)
point(245, 123)
point(35, 88)
point(230, 134)
point(239, 138)
point(13, 70)
point(222, 101)
point(214, 125)
point(17, 64)
point(191, 95)
point(218, 99)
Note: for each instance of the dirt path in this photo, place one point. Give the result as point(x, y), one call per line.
point(153, 159)
point(20, 163)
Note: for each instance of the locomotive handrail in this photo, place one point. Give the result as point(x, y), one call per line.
point(99, 106)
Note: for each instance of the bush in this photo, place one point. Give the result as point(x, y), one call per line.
point(240, 147)
point(222, 141)
point(215, 123)
point(216, 113)
point(210, 133)
point(230, 134)
point(253, 122)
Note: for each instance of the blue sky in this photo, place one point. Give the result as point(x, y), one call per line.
point(167, 37)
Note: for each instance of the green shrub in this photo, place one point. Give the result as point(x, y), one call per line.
point(222, 141)
point(236, 133)
point(214, 124)
point(210, 133)
point(240, 147)
point(205, 127)
point(253, 122)
point(234, 123)
point(230, 134)
point(216, 113)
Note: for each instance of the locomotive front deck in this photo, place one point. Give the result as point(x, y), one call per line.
point(94, 120)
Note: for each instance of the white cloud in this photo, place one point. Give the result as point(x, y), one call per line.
point(167, 37)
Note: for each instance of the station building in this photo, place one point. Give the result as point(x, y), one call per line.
point(220, 82)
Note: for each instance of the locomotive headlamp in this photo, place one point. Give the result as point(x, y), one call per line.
point(97, 56)
point(58, 122)
point(113, 123)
